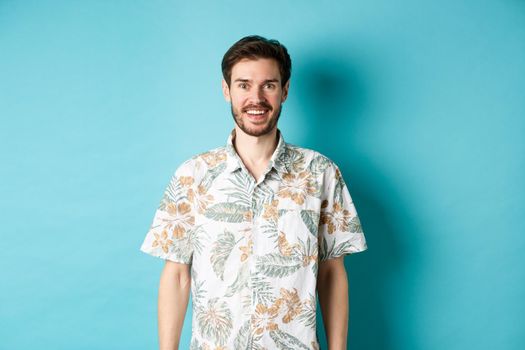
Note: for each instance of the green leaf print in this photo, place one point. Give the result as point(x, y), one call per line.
point(211, 174)
point(182, 248)
point(220, 252)
point(335, 251)
point(307, 253)
point(226, 212)
point(244, 339)
point(215, 321)
point(195, 345)
point(173, 194)
point(318, 165)
point(282, 212)
point(262, 290)
point(340, 249)
point(305, 249)
point(323, 248)
point(240, 190)
point(240, 282)
point(311, 220)
point(277, 265)
point(338, 191)
point(262, 195)
point(355, 225)
point(198, 292)
point(195, 237)
point(286, 341)
point(308, 313)
point(269, 229)
point(293, 158)
point(315, 267)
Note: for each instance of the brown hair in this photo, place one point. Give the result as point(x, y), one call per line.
point(254, 47)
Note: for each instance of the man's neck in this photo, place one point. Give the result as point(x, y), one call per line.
point(255, 151)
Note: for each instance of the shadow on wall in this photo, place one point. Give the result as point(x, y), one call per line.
point(335, 97)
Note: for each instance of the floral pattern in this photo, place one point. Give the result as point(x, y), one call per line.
point(297, 186)
point(255, 244)
point(162, 240)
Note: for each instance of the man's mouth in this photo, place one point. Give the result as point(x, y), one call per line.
point(256, 111)
point(257, 114)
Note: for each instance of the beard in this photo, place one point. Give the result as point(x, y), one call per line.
point(272, 122)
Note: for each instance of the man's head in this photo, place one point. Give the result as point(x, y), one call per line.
point(256, 77)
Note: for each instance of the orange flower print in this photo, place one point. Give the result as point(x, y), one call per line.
point(270, 211)
point(246, 250)
point(248, 216)
point(214, 158)
point(297, 186)
point(186, 181)
point(309, 258)
point(206, 346)
point(181, 218)
point(200, 198)
point(162, 241)
point(337, 220)
point(285, 248)
point(264, 317)
point(292, 303)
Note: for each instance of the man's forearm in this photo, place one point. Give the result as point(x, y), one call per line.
point(333, 297)
point(172, 304)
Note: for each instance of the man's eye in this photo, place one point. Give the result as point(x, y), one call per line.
point(270, 86)
point(242, 85)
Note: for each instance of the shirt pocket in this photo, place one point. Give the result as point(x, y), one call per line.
point(297, 227)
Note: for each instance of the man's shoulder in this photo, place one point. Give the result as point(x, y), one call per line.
point(218, 153)
point(204, 159)
point(311, 158)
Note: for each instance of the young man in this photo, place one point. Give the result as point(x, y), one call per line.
point(256, 227)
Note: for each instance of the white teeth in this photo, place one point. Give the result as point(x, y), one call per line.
point(254, 111)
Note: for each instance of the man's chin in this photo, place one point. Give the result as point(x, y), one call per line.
point(257, 130)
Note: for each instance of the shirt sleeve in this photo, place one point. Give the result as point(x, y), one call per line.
point(340, 230)
point(170, 234)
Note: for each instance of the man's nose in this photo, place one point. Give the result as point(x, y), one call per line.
point(257, 95)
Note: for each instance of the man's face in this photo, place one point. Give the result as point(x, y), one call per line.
point(256, 95)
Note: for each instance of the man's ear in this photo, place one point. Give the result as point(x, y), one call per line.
point(226, 91)
point(285, 91)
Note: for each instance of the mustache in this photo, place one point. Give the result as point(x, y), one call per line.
point(259, 106)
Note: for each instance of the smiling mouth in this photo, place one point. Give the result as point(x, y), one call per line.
point(256, 111)
point(256, 114)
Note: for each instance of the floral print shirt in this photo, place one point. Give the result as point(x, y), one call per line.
point(254, 245)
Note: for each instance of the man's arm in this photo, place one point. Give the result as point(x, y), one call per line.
point(174, 288)
point(332, 287)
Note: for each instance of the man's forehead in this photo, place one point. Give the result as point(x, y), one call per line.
point(259, 69)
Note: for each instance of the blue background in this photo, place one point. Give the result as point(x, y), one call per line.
point(421, 103)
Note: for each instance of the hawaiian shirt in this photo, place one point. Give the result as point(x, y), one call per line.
point(254, 245)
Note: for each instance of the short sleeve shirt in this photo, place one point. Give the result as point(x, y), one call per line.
point(254, 245)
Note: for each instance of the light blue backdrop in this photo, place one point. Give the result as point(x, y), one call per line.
point(420, 102)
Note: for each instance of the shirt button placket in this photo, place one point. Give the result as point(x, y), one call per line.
point(253, 230)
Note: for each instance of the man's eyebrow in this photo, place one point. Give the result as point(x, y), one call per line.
point(265, 82)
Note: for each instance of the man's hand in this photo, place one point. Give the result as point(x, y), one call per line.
point(332, 287)
point(174, 290)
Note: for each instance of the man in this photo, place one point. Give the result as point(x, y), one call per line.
point(256, 227)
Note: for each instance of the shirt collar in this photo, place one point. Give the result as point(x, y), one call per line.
point(234, 162)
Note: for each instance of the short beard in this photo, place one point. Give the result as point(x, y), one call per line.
point(273, 122)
